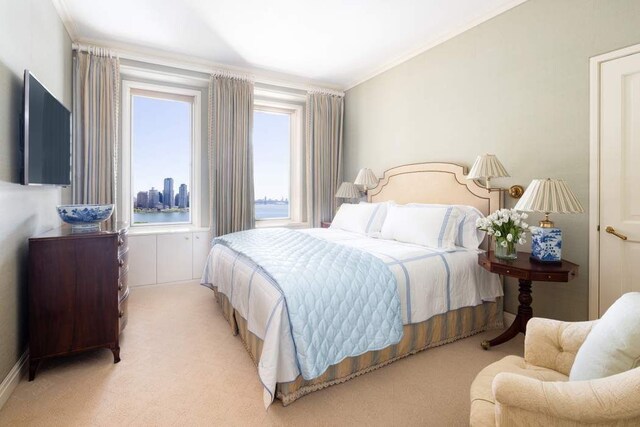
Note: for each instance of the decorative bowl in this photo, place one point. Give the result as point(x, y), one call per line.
point(84, 218)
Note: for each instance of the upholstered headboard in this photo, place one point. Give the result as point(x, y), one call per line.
point(441, 183)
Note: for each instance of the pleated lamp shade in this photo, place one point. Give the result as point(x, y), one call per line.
point(487, 166)
point(348, 190)
point(549, 196)
point(366, 178)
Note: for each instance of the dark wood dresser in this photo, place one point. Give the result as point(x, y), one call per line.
point(77, 292)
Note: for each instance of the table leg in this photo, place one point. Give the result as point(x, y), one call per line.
point(525, 312)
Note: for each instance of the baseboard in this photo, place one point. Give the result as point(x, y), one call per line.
point(12, 379)
point(508, 319)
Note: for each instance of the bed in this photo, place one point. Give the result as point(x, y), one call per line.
point(437, 295)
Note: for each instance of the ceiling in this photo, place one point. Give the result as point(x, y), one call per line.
point(339, 43)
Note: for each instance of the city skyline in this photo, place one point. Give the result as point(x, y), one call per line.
point(153, 198)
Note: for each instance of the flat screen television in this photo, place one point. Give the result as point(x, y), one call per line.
point(46, 142)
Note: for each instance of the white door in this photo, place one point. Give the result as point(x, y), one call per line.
point(174, 257)
point(619, 179)
point(200, 252)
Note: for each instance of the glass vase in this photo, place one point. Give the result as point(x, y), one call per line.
point(508, 252)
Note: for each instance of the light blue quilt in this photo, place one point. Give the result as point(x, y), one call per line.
point(341, 301)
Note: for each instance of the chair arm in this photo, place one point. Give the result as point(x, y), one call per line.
point(605, 400)
point(553, 344)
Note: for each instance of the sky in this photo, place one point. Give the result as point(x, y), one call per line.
point(271, 147)
point(162, 147)
point(161, 143)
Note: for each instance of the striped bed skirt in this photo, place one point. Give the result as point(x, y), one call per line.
point(439, 330)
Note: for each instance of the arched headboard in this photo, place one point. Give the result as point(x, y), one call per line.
point(439, 183)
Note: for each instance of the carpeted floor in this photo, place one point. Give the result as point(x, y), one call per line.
point(181, 366)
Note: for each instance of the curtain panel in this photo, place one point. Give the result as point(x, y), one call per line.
point(96, 89)
point(231, 154)
point(325, 117)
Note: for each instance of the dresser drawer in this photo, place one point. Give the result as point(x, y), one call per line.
point(123, 243)
point(123, 311)
point(551, 277)
point(509, 271)
point(123, 263)
point(123, 285)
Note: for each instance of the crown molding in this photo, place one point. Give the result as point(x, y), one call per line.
point(433, 43)
point(65, 17)
point(199, 65)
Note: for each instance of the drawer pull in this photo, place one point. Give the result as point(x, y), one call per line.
point(121, 313)
point(548, 277)
point(121, 262)
point(508, 271)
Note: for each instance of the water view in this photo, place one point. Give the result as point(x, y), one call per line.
point(156, 217)
point(272, 211)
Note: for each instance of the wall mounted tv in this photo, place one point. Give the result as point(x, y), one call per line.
point(46, 142)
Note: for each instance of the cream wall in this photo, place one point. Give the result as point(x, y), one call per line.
point(31, 36)
point(516, 86)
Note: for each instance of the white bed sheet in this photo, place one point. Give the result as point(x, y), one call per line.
point(430, 282)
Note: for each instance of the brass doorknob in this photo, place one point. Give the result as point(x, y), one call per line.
point(613, 231)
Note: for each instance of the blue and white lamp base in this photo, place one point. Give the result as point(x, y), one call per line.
point(546, 244)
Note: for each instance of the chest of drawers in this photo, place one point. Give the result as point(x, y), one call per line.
point(77, 293)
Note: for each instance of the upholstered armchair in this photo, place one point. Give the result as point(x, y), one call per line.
point(535, 391)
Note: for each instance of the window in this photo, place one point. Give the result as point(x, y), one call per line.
point(277, 162)
point(160, 140)
point(271, 148)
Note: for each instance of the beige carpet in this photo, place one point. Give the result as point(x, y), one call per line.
point(181, 366)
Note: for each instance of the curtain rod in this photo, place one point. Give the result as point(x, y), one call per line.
point(207, 68)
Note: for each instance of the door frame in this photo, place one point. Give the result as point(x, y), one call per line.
point(595, 64)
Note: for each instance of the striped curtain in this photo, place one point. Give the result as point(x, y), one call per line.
point(96, 88)
point(325, 116)
point(231, 154)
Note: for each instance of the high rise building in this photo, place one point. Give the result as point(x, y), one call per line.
point(167, 194)
point(142, 200)
point(183, 197)
point(175, 200)
point(154, 198)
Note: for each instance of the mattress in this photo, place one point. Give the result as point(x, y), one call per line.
point(430, 282)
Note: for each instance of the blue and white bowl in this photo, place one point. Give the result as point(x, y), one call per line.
point(85, 218)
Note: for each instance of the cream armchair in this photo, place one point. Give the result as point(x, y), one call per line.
point(535, 391)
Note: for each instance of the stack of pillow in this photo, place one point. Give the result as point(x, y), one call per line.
point(434, 226)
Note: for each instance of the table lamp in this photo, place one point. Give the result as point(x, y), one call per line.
point(366, 179)
point(348, 190)
point(548, 196)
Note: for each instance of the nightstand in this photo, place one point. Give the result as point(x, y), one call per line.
point(525, 271)
point(325, 224)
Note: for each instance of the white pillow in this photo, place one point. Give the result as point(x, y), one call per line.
point(431, 226)
point(355, 218)
point(377, 218)
point(467, 234)
point(613, 345)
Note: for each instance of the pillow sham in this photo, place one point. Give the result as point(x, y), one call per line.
point(613, 345)
point(467, 234)
point(377, 218)
point(357, 218)
point(431, 226)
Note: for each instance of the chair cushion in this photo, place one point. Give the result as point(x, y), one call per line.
point(613, 345)
point(482, 399)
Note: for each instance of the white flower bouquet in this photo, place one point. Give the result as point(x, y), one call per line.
point(507, 226)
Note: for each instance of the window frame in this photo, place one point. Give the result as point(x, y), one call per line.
point(131, 88)
point(296, 162)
